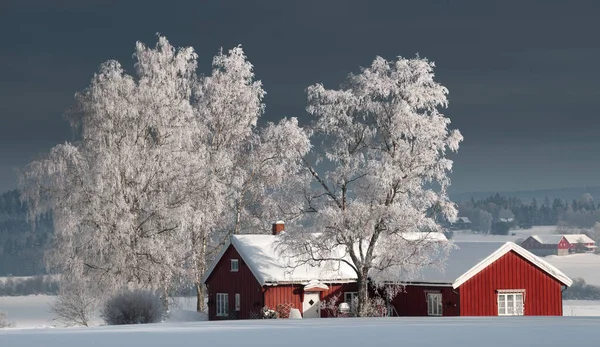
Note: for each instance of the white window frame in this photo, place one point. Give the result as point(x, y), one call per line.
point(435, 304)
point(511, 302)
point(237, 301)
point(235, 265)
point(222, 304)
point(349, 297)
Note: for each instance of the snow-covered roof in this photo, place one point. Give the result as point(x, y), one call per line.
point(548, 239)
point(555, 239)
point(508, 247)
point(269, 267)
point(578, 238)
point(461, 258)
point(468, 258)
point(463, 219)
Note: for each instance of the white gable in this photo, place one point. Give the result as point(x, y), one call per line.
point(507, 247)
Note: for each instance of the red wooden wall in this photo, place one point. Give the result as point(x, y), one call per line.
point(222, 280)
point(412, 301)
point(293, 295)
point(478, 296)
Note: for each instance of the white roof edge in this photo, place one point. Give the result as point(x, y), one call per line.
point(507, 247)
point(216, 261)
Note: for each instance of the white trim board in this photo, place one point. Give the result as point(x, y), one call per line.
point(508, 247)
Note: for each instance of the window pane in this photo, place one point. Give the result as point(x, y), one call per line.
point(519, 304)
point(510, 304)
point(501, 304)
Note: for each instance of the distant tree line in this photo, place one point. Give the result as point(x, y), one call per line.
point(498, 214)
point(21, 244)
point(34, 285)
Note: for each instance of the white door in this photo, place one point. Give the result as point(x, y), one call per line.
point(310, 306)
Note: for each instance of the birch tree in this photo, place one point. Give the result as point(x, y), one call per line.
point(117, 192)
point(384, 173)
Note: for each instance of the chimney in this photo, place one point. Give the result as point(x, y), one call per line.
point(278, 227)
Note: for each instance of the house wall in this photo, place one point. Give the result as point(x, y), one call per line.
point(543, 296)
point(413, 301)
point(292, 295)
point(222, 280)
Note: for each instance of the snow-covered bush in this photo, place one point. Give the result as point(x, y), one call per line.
point(373, 307)
point(4, 323)
point(134, 307)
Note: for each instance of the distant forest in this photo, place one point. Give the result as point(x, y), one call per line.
point(497, 214)
point(21, 245)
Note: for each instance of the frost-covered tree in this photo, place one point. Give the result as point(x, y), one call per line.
point(117, 192)
point(166, 164)
point(246, 166)
point(384, 173)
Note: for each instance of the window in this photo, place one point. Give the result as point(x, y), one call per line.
point(237, 301)
point(235, 265)
point(350, 296)
point(510, 303)
point(222, 304)
point(434, 304)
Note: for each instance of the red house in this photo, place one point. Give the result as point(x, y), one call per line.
point(480, 279)
point(543, 245)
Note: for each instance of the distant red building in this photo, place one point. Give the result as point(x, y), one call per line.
point(481, 279)
point(543, 245)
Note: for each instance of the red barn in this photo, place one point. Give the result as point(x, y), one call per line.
point(480, 279)
point(543, 245)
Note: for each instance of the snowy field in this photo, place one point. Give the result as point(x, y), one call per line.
point(448, 331)
point(33, 311)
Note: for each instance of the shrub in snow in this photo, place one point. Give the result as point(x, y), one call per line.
point(3, 322)
point(134, 307)
point(75, 303)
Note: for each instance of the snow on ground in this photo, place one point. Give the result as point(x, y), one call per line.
point(349, 332)
point(586, 266)
point(34, 311)
point(581, 308)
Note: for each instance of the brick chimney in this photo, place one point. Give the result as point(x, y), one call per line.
point(278, 227)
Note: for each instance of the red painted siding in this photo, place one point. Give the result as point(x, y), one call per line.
point(285, 295)
point(222, 280)
point(293, 295)
point(413, 301)
point(478, 296)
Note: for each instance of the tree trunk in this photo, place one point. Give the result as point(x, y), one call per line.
point(200, 290)
point(363, 294)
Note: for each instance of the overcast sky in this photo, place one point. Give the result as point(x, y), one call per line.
point(523, 76)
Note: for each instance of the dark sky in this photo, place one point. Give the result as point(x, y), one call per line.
point(524, 76)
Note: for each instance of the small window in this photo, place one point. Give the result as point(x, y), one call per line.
point(237, 301)
point(511, 303)
point(235, 265)
point(222, 304)
point(349, 297)
point(434, 304)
